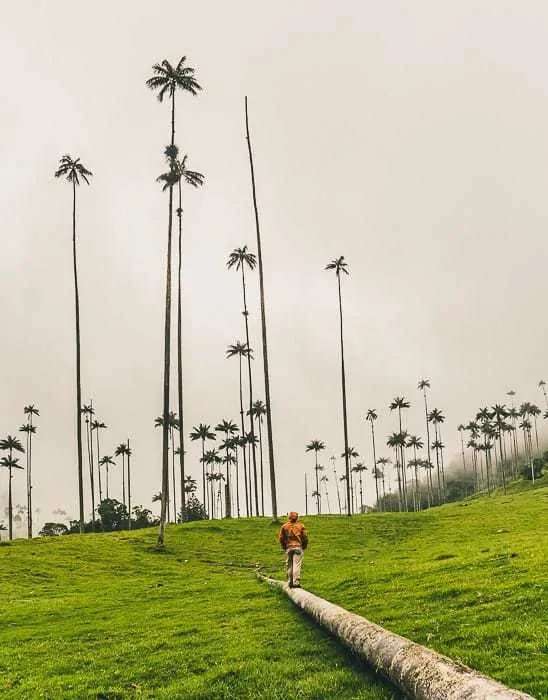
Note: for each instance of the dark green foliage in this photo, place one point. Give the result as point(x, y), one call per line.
point(539, 468)
point(54, 530)
point(194, 510)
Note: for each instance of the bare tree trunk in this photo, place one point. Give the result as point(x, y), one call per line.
point(128, 486)
point(78, 374)
point(419, 672)
point(180, 358)
point(263, 326)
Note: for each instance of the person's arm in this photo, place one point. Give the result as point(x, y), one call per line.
point(304, 538)
point(282, 538)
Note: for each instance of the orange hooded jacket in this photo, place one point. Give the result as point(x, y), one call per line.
point(293, 534)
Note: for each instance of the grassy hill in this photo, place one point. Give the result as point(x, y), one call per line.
point(105, 616)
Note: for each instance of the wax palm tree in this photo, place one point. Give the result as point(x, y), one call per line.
point(88, 412)
point(228, 428)
point(316, 446)
point(542, 386)
point(121, 450)
point(534, 411)
point(98, 426)
point(178, 174)
point(203, 432)
point(166, 80)
point(30, 411)
point(263, 329)
point(128, 455)
point(351, 453)
point(173, 425)
point(106, 461)
point(333, 460)
point(239, 259)
point(383, 461)
point(371, 416)
point(340, 266)
point(258, 410)
point(359, 468)
point(10, 444)
point(73, 171)
point(241, 350)
point(324, 480)
point(436, 417)
point(416, 443)
point(423, 385)
point(395, 441)
point(211, 459)
point(499, 414)
point(399, 403)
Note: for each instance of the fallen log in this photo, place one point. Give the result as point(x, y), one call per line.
point(421, 673)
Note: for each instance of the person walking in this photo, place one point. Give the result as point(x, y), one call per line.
point(293, 539)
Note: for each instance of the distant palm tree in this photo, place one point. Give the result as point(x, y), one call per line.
point(241, 350)
point(339, 266)
point(88, 412)
point(10, 444)
point(166, 80)
point(177, 174)
point(325, 480)
point(30, 429)
point(173, 425)
point(211, 459)
point(423, 385)
point(107, 461)
point(316, 446)
point(436, 417)
point(229, 428)
point(351, 453)
point(128, 455)
point(203, 432)
point(399, 403)
point(372, 416)
point(73, 170)
point(263, 328)
point(98, 426)
point(239, 259)
point(417, 444)
point(542, 387)
point(258, 410)
point(121, 450)
point(333, 459)
point(359, 468)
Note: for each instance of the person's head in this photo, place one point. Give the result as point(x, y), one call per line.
point(293, 516)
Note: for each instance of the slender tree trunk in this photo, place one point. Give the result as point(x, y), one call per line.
point(247, 494)
point(10, 504)
point(262, 468)
point(345, 421)
point(173, 475)
point(427, 424)
point(375, 463)
point(78, 374)
point(263, 326)
point(305, 494)
point(318, 502)
point(29, 479)
point(167, 358)
point(250, 380)
point(99, 466)
point(128, 486)
point(92, 470)
point(180, 356)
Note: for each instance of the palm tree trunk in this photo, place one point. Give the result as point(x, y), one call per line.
point(173, 474)
point(99, 467)
point(10, 506)
point(262, 467)
point(305, 495)
point(92, 472)
point(29, 481)
point(375, 463)
point(180, 357)
point(318, 506)
point(263, 327)
point(247, 494)
point(128, 487)
point(251, 421)
point(78, 374)
point(427, 423)
point(167, 358)
point(345, 421)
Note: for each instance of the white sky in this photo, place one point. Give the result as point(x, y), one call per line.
point(409, 137)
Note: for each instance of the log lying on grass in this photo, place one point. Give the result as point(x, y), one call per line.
point(422, 674)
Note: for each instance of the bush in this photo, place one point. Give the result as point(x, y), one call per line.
point(194, 510)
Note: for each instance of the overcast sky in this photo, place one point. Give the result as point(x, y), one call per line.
point(409, 137)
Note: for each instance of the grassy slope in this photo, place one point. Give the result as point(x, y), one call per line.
point(105, 616)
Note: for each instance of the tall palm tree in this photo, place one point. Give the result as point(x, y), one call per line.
point(359, 468)
point(258, 410)
point(417, 444)
point(325, 480)
point(460, 430)
point(399, 403)
point(263, 329)
point(436, 417)
point(542, 386)
point(128, 455)
point(10, 444)
point(73, 171)
point(333, 460)
point(339, 266)
point(383, 461)
point(173, 425)
point(30, 429)
point(88, 412)
point(316, 446)
point(106, 461)
point(239, 259)
point(177, 174)
point(121, 451)
point(423, 385)
point(228, 428)
point(351, 453)
point(203, 432)
point(165, 81)
point(372, 416)
point(241, 350)
point(211, 459)
point(98, 426)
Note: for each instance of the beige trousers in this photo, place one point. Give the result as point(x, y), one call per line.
point(294, 558)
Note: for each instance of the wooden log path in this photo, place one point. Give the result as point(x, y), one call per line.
point(421, 673)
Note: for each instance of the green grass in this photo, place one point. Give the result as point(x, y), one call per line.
point(105, 616)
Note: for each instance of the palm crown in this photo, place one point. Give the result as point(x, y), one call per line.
point(178, 171)
point(167, 79)
point(241, 256)
point(72, 170)
point(338, 265)
point(239, 349)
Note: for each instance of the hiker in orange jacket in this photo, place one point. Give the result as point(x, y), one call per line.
point(294, 540)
